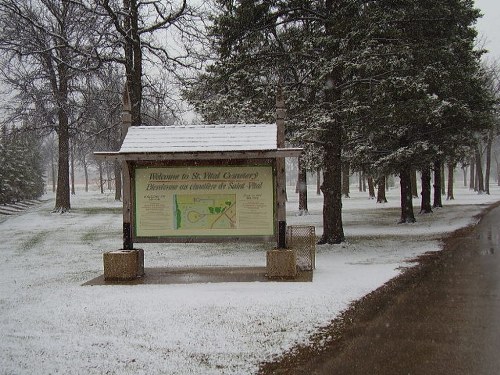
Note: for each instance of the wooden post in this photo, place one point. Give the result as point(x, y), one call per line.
point(127, 198)
point(280, 170)
point(126, 263)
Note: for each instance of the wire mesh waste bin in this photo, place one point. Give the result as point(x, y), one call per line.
point(302, 240)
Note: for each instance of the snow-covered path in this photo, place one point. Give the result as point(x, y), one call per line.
point(51, 324)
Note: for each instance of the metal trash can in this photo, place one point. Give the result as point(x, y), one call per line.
point(302, 240)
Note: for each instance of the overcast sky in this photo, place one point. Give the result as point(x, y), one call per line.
point(489, 27)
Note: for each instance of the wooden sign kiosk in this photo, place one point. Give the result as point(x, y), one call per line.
point(201, 183)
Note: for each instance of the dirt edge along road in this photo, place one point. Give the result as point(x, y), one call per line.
point(397, 330)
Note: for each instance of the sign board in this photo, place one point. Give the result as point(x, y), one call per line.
point(204, 201)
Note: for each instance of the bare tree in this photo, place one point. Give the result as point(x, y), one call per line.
point(100, 119)
point(46, 45)
point(136, 24)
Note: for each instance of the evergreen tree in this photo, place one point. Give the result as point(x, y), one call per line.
point(302, 46)
point(429, 96)
point(21, 168)
point(389, 85)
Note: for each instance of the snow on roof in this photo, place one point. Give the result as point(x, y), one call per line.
point(196, 138)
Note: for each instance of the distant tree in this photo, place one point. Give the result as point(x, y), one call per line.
point(49, 155)
point(100, 120)
point(161, 104)
point(414, 188)
point(371, 187)
point(345, 180)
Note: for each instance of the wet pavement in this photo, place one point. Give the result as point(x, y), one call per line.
point(441, 317)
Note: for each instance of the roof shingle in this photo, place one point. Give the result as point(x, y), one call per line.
point(199, 138)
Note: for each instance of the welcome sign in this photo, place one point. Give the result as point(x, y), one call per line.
point(204, 201)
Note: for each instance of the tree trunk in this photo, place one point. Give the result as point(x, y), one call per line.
point(464, 169)
point(63, 200)
point(498, 168)
point(86, 172)
point(133, 59)
point(118, 181)
point(443, 187)
point(360, 181)
point(479, 172)
point(101, 180)
point(73, 192)
point(54, 177)
point(451, 170)
point(318, 181)
point(488, 162)
point(108, 176)
point(62, 190)
point(437, 184)
point(371, 188)
point(425, 206)
point(407, 215)
point(333, 231)
point(302, 187)
point(472, 176)
point(345, 180)
point(381, 198)
point(414, 191)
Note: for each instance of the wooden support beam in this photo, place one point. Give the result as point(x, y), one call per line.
point(280, 170)
point(127, 191)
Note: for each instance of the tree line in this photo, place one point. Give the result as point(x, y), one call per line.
point(64, 64)
point(385, 87)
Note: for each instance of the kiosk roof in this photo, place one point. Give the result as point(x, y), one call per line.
point(200, 138)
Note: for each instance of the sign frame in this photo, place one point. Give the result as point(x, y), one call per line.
point(201, 238)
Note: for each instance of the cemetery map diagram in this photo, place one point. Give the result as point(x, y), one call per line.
point(205, 211)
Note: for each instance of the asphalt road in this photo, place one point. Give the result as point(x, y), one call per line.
point(443, 317)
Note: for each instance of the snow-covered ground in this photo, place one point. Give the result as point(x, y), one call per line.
point(50, 323)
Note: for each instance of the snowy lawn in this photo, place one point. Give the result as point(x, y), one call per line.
point(50, 323)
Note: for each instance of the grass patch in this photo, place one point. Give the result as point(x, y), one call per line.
point(34, 241)
point(96, 234)
point(97, 210)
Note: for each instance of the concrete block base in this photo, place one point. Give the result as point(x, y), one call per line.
point(123, 264)
point(281, 264)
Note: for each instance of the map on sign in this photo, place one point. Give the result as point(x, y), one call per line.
point(205, 211)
